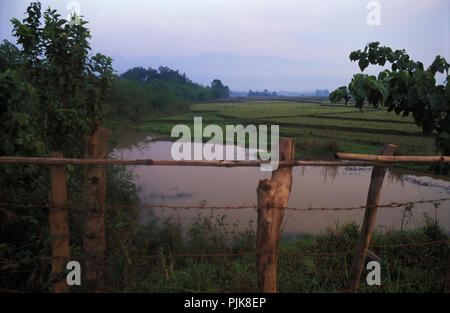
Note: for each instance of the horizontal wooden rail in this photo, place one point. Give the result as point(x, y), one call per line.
point(63, 161)
point(390, 159)
point(363, 160)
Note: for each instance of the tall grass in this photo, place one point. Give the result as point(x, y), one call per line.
point(404, 269)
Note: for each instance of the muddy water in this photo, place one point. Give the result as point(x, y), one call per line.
point(312, 187)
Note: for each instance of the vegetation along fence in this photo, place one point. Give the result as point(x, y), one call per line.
point(272, 198)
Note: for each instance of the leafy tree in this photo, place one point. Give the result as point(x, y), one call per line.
point(407, 88)
point(138, 74)
point(219, 90)
point(172, 76)
point(52, 94)
point(139, 91)
point(51, 85)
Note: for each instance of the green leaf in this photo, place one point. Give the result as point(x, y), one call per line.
point(363, 63)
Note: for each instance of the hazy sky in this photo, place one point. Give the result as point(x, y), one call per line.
point(321, 31)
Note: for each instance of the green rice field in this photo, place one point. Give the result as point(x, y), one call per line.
point(320, 128)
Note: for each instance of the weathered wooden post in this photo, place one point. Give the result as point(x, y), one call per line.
point(273, 196)
point(94, 241)
point(373, 197)
point(59, 226)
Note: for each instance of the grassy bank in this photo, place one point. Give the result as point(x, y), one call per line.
point(403, 269)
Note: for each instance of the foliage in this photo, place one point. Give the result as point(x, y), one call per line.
point(52, 94)
point(141, 91)
point(407, 88)
point(51, 89)
point(411, 267)
point(219, 90)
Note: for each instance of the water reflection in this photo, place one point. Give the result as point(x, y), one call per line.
point(329, 173)
point(395, 178)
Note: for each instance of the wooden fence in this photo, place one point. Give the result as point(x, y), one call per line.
point(272, 198)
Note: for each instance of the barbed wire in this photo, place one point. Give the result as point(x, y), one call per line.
point(186, 255)
point(392, 204)
point(411, 244)
point(229, 254)
point(24, 206)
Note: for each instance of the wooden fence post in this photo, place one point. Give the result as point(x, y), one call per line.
point(273, 196)
point(59, 226)
point(373, 197)
point(94, 241)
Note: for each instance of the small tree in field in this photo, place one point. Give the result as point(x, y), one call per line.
point(406, 89)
